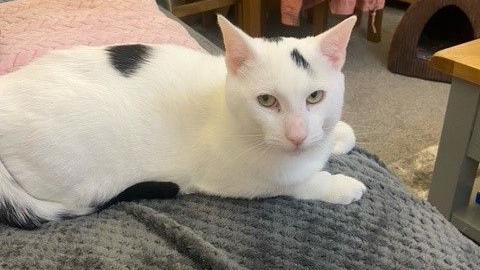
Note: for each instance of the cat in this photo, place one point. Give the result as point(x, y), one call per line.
point(79, 126)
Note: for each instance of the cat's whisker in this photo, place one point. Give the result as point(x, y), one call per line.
point(249, 149)
point(247, 136)
point(263, 153)
point(364, 142)
point(316, 138)
point(366, 134)
point(358, 131)
point(360, 128)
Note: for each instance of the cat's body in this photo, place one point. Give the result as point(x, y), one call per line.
point(79, 126)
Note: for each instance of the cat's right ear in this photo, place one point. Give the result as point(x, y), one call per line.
point(238, 48)
point(333, 42)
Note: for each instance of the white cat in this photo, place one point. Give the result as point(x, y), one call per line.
point(79, 126)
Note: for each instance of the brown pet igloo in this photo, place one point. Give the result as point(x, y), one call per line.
point(427, 27)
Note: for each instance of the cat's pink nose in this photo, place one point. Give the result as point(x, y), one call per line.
point(296, 130)
point(297, 141)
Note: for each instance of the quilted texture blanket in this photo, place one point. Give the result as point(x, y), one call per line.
point(30, 28)
point(387, 229)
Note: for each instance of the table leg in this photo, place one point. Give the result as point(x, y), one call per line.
point(374, 33)
point(320, 17)
point(250, 17)
point(359, 14)
point(454, 171)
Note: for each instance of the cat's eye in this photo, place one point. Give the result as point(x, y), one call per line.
point(316, 97)
point(267, 100)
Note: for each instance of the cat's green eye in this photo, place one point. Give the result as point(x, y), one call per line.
point(316, 97)
point(267, 100)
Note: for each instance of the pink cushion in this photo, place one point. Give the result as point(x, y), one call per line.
point(30, 28)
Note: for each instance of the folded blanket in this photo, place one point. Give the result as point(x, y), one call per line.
point(387, 229)
point(31, 28)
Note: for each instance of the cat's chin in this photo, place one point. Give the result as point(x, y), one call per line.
point(296, 151)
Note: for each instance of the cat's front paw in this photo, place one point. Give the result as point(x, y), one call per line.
point(344, 190)
point(338, 188)
point(344, 138)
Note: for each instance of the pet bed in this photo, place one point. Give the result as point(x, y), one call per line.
point(387, 229)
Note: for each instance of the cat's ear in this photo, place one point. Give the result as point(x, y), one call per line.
point(238, 48)
point(333, 42)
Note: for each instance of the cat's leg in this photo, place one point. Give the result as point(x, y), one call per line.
point(344, 138)
point(337, 188)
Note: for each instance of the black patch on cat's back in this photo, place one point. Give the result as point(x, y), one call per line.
point(145, 190)
point(299, 60)
point(127, 59)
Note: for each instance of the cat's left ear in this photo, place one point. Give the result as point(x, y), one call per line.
point(333, 43)
point(238, 48)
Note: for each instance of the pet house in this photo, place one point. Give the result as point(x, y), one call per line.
point(427, 27)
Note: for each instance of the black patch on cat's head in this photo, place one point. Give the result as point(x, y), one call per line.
point(273, 39)
point(10, 215)
point(299, 60)
point(128, 58)
point(144, 190)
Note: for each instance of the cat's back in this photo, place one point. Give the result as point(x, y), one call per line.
point(84, 77)
point(110, 86)
point(114, 109)
point(119, 63)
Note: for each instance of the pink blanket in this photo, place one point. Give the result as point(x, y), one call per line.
point(290, 9)
point(30, 28)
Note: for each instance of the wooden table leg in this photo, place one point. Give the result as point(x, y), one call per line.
point(374, 33)
point(359, 14)
point(320, 17)
point(209, 18)
point(250, 17)
point(454, 172)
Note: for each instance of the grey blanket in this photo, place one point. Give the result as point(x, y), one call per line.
point(386, 229)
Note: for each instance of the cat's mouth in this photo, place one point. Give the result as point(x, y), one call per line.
point(297, 150)
point(293, 149)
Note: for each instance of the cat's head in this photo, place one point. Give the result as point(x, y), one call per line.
point(288, 91)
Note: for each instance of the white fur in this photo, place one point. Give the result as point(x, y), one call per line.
point(344, 138)
point(75, 132)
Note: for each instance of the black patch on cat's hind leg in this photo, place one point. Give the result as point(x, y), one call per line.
point(19, 218)
point(299, 60)
point(145, 190)
point(128, 58)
